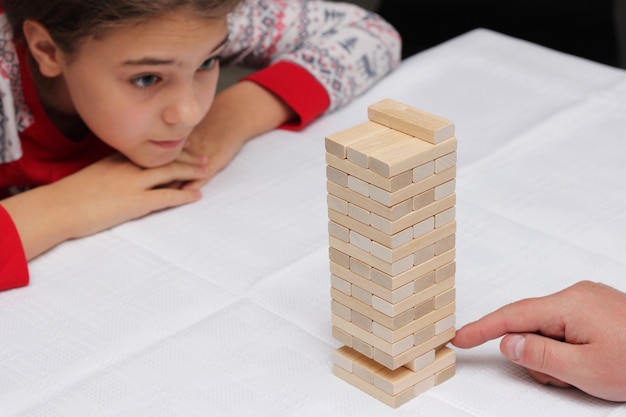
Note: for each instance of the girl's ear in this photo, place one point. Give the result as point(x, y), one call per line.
point(43, 49)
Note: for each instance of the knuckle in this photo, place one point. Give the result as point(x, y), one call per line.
point(540, 355)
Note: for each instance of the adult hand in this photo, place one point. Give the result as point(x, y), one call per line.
point(575, 337)
point(104, 194)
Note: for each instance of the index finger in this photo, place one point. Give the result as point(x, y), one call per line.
point(530, 315)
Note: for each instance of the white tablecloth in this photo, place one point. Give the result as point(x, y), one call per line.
point(222, 307)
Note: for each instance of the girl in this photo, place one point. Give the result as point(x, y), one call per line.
point(109, 111)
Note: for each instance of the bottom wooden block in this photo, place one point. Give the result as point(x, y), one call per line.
point(394, 388)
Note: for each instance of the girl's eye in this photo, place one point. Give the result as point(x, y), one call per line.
point(209, 64)
point(145, 81)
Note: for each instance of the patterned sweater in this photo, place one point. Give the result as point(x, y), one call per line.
point(316, 55)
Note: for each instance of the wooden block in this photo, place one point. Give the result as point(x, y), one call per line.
point(394, 382)
point(360, 151)
point(399, 239)
point(412, 121)
point(445, 324)
point(407, 155)
point(422, 228)
point(415, 327)
point(424, 255)
point(339, 257)
point(344, 357)
point(359, 214)
point(364, 282)
point(365, 368)
point(369, 339)
point(394, 362)
point(390, 241)
point(445, 189)
point(340, 284)
point(421, 362)
point(435, 181)
point(393, 310)
point(376, 316)
point(393, 401)
point(393, 268)
point(445, 162)
point(401, 293)
point(390, 348)
point(412, 328)
point(415, 245)
point(422, 336)
point(392, 227)
point(360, 241)
point(424, 308)
point(340, 232)
point(424, 199)
point(336, 176)
point(337, 143)
point(359, 186)
point(424, 282)
point(361, 337)
point(342, 336)
point(362, 295)
point(394, 282)
point(445, 271)
point(445, 375)
point(388, 212)
point(445, 244)
point(361, 321)
point(340, 310)
point(362, 347)
point(447, 331)
point(422, 172)
point(391, 184)
point(337, 204)
point(360, 268)
point(445, 298)
point(445, 217)
point(358, 280)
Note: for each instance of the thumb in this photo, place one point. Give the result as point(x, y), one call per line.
point(549, 361)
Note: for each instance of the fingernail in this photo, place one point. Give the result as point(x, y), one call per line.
point(514, 347)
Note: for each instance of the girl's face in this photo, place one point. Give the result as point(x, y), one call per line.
point(141, 89)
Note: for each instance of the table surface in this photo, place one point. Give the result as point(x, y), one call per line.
point(222, 307)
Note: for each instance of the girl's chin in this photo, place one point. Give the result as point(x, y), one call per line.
point(156, 161)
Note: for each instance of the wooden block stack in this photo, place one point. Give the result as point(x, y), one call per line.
point(391, 209)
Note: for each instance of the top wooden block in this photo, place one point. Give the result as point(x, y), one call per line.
point(418, 123)
point(338, 143)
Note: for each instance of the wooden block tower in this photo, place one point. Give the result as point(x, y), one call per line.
point(391, 208)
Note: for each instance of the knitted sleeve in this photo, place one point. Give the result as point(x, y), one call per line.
point(340, 50)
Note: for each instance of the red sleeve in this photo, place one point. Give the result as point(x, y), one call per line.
point(297, 87)
point(13, 264)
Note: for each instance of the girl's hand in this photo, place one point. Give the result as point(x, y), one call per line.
point(213, 148)
point(104, 194)
point(238, 114)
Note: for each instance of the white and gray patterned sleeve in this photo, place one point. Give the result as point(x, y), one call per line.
point(10, 149)
point(345, 47)
point(13, 112)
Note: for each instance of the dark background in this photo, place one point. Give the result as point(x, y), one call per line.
point(594, 29)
